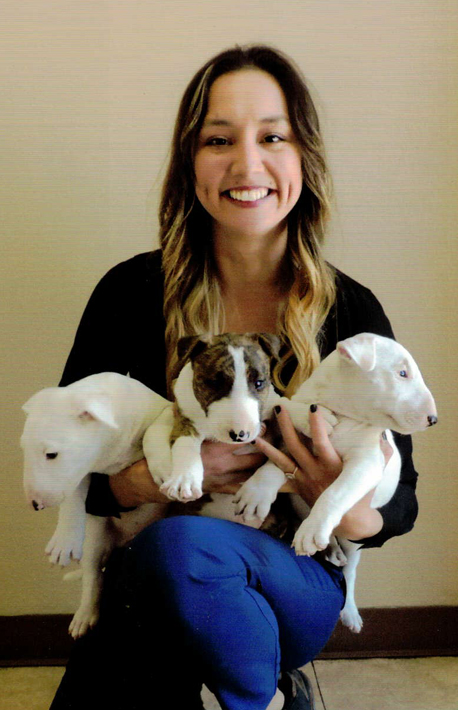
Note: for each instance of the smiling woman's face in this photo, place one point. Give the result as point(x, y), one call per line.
point(247, 163)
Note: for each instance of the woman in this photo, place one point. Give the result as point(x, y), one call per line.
point(242, 217)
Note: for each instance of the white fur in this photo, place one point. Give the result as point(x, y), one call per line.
point(95, 424)
point(361, 383)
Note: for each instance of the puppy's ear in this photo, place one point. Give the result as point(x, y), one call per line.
point(96, 406)
point(359, 350)
point(269, 343)
point(190, 347)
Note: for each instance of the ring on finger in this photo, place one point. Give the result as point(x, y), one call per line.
point(291, 475)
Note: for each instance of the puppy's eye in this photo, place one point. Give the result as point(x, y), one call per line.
point(51, 456)
point(403, 373)
point(259, 384)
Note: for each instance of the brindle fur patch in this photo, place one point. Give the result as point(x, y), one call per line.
point(182, 426)
point(214, 371)
point(258, 371)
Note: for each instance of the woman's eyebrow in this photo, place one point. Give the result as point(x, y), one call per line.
point(224, 122)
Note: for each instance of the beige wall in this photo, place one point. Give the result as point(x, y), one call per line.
point(91, 93)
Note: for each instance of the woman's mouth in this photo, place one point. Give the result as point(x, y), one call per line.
point(247, 196)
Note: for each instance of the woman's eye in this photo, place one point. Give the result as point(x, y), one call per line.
point(274, 138)
point(218, 141)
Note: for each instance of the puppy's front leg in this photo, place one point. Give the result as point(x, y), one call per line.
point(255, 497)
point(359, 475)
point(66, 543)
point(185, 481)
point(97, 546)
point(156, 446)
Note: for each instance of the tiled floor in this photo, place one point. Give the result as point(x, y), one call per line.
point(376, 684)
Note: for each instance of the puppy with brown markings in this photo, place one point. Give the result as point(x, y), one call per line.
point(223, 393)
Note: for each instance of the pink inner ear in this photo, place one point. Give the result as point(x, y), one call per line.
point(344, 352)
point(86, 415)
point(363, 359)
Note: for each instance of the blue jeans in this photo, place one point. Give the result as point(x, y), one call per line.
point(198, 600)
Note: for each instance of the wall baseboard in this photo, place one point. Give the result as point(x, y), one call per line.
point(398, 632)
point(43, 640)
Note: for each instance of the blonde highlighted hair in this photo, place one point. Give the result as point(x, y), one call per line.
point(192, 298)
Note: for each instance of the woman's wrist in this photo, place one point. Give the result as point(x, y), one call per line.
point(134, 486)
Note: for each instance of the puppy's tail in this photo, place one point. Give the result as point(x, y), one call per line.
point(71, 576)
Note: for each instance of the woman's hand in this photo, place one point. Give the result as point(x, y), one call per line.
point(223, 460)
point(316, 465)
point(224, 472)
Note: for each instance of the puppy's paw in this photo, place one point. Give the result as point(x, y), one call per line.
point(351, 618)
point(65, 546)
point(160, 466)
point(159, 477)
point(310, 538)
point(84, 619)
point(300, 411)
point(253, 501)
point(330, 419)
point(182, 488)
point(335, 554)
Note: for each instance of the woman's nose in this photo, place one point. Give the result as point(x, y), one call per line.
point(246, 158)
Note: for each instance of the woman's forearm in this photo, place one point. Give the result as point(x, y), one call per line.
point(135, 485)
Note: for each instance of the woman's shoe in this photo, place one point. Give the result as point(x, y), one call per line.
point(297, 690)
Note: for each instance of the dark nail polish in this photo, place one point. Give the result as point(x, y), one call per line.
point(277, 409)
point(313, 408)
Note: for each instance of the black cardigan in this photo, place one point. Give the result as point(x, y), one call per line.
point(122, 330)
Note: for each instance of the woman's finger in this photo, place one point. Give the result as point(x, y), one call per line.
point(277, 457)
point(293, 443)
point(321, 445)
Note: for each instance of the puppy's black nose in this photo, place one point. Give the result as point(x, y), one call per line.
point(240, 436)
point(432, 420)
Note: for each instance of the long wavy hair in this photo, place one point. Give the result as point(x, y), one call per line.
point(192, 297)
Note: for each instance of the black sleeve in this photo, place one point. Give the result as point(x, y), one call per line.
point(400, 513)
point(357, 310)
point(103, 332)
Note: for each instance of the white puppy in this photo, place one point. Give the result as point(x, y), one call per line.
point(95, 424)
point(371, 384)
point(98, 424)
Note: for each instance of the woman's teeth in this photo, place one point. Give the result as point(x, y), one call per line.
point(249, 195)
